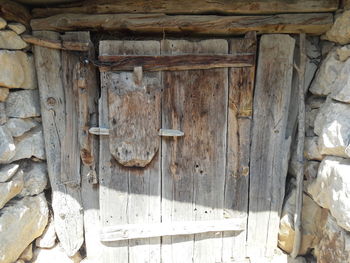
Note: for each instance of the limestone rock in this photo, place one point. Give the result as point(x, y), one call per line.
point(29, 145)
point(7, 171)
point(35, 178)
point(18, 127)
point(3, 118)
point(311, 169)
point(23, 104)
point(341, 86)
point(333, 127)
point(3, 23)
point(334, 245)
point(313, 219)
point(4, 92)
point(17, 70)
point(315, 102)
point(54, 255)
point(326, 47)
point(9, 190)
point(340, 31)
point(27, 254)
point(17, 27)
point(326, 74)
point(48, 238)
point(343, 53)
point(10, 40)
point(7, 146)
point(313, 58)
point(311, 149)
point(331, 188)
point(20, 224)
point(310, 116)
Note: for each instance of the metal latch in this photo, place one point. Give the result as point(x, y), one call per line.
point(170, 133)
point(99, 131)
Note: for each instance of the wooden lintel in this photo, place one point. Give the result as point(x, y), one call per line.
point(57, 44)
point(134, 231)
point(313, 23)
point(176, 62)
point(190, 7)
point(12, 11)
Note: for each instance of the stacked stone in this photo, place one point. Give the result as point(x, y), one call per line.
point(24, 211)
point(326, 211)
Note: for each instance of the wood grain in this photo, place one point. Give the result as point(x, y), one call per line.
point(270, 143)
point(179, 62)
point(135, 231)
point(191, 7)
point(313, 23)
point(129, 195)
point(194, 102)
point(12, 11)
point(57, 119)
point(240, 110)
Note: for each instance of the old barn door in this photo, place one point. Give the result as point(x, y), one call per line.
point(174, 166)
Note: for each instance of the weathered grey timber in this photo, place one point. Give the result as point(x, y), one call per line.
point(270, 142)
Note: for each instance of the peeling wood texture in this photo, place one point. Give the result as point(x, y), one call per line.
point(270, 143)
point(130, 195)
point(12, 11)
point(180, 62)
point(55, 79)
point(193, 166)
point(240, 110)
point(313, 23)
point(191, 7)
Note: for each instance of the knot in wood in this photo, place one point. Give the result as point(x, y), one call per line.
point(51, 101)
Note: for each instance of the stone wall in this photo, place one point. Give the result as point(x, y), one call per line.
point(326, 211)
point(26, 231)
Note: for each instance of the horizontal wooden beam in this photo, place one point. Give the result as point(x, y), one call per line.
point(316, 23)
point(57, 44)
point(134, 231)
point(176, 62)
point(12, 11)
point(192, 7)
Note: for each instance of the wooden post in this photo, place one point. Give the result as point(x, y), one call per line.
point(300, 147)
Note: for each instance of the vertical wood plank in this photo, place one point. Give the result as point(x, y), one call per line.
point(130, 194)
point(241, 86)
point(270, 142)
point(59, 117)
point(193, 166)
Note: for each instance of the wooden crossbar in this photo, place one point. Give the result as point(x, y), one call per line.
point(134, 231)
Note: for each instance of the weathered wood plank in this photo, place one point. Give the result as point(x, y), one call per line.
point(134, 122)
point(56, 44)
point(193, 166)
point(313, 23)
point(66, 198)
point(191, 7)
point(179, 62)
point(129, 195)
point(240, 108)
point(270, 143)
point(134, 231)
point(86, 88)
point(12, 11)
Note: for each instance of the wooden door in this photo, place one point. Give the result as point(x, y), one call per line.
point(186, 196)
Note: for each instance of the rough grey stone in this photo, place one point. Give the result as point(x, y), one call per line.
point(4, 92)
point(10, 189)
point(311, 149)
point(3, 118)
point(331, 188)
point(30, 145)
point(3, 23)
point(48, 238)
point(7, 171)
point(18, 127)
point(35, 178)
point(17, 27)
point(23, 104)
point(17, 70)
point(20, 223)
point(10, 40)
point(341, 86)
point(7, 146)
point(333, 127)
